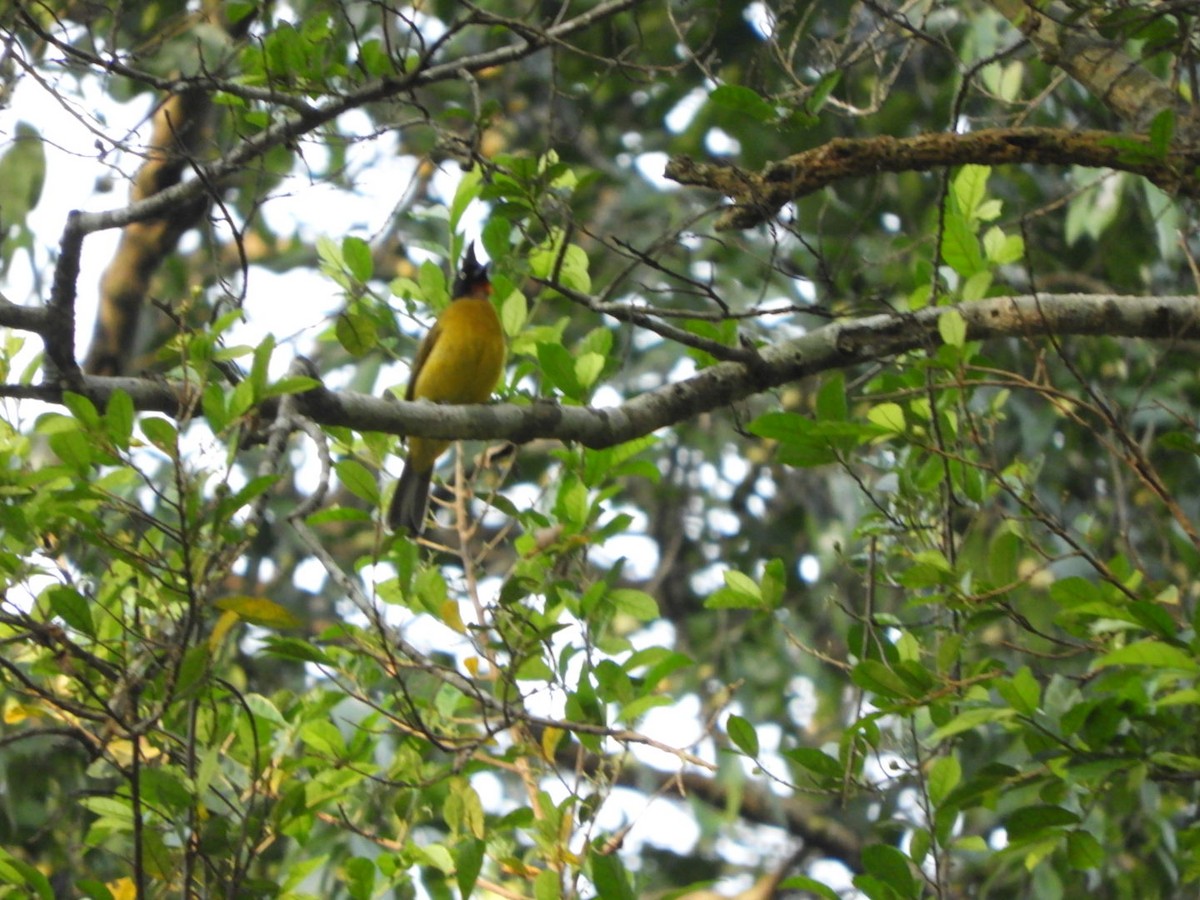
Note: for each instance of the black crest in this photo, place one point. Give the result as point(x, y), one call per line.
point(472, 276)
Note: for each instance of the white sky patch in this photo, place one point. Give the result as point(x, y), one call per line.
point(606, 397)
point(734, 467)
point(720, 143)
point(683, 112)
point(678, 725)
point(805, 289)
point(310, 575)
point(809, 568)
point(803, 702)
point(21, 595)
point(651, 166)
point(659, 633)
point(760, 19)
point(723, 522)
point(708, 579)
point(640, 554)
point(833, 873)
point(309, 300)
point(684, 368)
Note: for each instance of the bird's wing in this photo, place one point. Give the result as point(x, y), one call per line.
point(422, 354)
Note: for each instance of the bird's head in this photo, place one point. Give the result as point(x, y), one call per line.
point(472, 280)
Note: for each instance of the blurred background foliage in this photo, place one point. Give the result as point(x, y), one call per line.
point(923, 628)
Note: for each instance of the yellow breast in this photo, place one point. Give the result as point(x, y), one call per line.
point(467, 357)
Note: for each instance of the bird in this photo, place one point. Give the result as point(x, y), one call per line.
point(459, 361)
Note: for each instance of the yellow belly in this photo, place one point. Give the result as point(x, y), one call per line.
point(464, 365)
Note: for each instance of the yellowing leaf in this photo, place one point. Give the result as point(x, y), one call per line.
point(551, 738)
point(121, 750)
point(225, 622)
point(450, 616)
point(887, 415)
point(259, 611)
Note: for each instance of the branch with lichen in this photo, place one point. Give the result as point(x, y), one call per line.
point(759, 196)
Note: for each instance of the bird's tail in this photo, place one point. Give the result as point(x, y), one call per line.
point(410, 501)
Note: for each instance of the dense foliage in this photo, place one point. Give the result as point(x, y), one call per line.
point(786, 562)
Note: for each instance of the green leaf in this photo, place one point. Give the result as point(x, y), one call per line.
point(571, 504)
point(891, 867)
point(816, 761)
point(372, 56)
point(497, 236)
point(295, 648)
point(468, 189)
point(774, 583)
point(1022, 692)
point(88, 888)
point(357, 479)
point(960, 247)
point(359, 875)
point(1084, 851)
point(357, 254)
point(969, 720)
point(21, 874)
point(356, 331)
point(744, 100)
point(821, 91)
point(82, 409)
point(1003, 249)
point(635, 603)
point(889, 416)
point(740, 592)
point(547, 885)
point(588, 367)
point(118, 418)
point(831, 401)
point(514, 312)
point(1030, 821)
point(323, 736)
point(558, 368)
point(1151, 654)
point(291, 384)
point(873, 675)
point(1162, 129)
point(953, 328)
point(743, 735)
point(22, 174)
point(571, 264)
point(431, 281)
point(969, 188)
point(741, 583)
point(804, 883)
point(608, 874)
point(468, 863)
point(73, 608)
point(74, 449)
point(161, 433)
point(944, 776)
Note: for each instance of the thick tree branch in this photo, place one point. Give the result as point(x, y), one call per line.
point(1109, 74)
point(835, 346)
point(757, 197)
